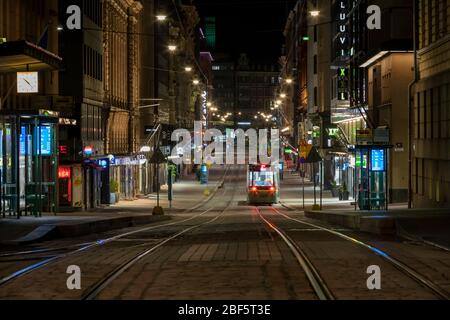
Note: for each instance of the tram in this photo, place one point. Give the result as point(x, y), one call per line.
point(263, 184)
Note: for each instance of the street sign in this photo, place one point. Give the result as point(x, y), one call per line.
point(305, 150)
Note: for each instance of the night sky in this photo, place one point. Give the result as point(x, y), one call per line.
point(251, 26)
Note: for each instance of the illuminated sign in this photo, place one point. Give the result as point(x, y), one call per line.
point(343, 83)
point(23, 137)
point(63, 150)
point(49, 113)
point(45, 141)
point(88, 150)
point(64, 173)
point(104, 163)
point(205, 107)
point(342, 29)
point(378, 162)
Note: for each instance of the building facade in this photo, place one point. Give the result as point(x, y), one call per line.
point(224, 87)
point(29, 104)
point(431, 113)
point(255, 85)
point(102, 77)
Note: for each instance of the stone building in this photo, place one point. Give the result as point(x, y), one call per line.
point(431, 112)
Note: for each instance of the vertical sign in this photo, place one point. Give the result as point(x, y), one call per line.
point(77, 187)
point(378, 163)
point(205, 107)
point(343, 46)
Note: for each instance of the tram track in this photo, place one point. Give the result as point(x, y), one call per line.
point(93, 292)
point(70, 247)
point(315, 281)
point(44, 262)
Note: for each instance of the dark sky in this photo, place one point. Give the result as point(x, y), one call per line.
point(251, 26)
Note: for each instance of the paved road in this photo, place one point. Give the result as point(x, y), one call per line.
point(227, 249)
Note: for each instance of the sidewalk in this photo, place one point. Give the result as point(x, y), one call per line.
point(187, 194)
point(422, 224)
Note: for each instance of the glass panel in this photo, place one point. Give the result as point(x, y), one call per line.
point(263, 179)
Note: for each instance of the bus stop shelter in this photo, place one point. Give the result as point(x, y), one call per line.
point(28, 164)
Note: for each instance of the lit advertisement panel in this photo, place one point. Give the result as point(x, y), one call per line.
point(45, 142)
point(378, 162)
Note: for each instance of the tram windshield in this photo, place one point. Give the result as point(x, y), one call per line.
point(261, 178)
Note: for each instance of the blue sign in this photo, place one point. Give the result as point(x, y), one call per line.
point(378, 162)
point(46, 141)
point(23, 136)
point(104, 163)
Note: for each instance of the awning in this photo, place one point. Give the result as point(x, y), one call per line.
point(20, 56)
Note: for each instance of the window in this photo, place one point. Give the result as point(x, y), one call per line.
point(315, 97)
point(93, 63)
point(262, 179)
point(315, 64)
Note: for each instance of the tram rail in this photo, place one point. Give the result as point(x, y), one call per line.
point(399, 265)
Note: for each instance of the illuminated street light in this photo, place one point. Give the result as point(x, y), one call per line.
point(314, 13)
point(283, 95)
point(289, 81)
point(161, 17)
point(172, 48)
point(196, 82)
point(188, 69)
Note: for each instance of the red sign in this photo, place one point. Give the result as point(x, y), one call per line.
point(89, 150)
point(64, 173)
point(63, 150)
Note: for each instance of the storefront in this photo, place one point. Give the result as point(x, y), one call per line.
point(128, 173)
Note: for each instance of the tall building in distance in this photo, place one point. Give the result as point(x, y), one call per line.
point(210, 32)
point(224, 85)
point(255, 85)
point(431, 112)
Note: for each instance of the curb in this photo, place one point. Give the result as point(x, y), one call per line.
point(68, 230)
point(371, 224)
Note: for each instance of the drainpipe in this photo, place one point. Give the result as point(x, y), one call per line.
point(410, 106)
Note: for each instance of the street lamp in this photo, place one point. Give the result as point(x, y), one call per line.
point(161, 17)
point(196, 82)
point(283, 96)
point(172, 48)
point(289, 81)
point(188, 69)
point(314, 13)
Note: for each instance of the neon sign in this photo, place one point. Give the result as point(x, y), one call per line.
point(64, 173)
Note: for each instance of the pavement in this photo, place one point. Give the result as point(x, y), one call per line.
point(430, 225)
point(188, 194)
